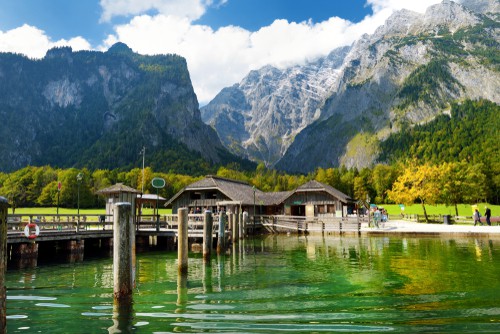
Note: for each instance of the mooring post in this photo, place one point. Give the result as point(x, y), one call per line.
point(240, 226)
point(231, 227)
point(122, 252)
point(207, 236)
point(222, 229)
point(236, 227)
point(3, 263)
point(182, 241)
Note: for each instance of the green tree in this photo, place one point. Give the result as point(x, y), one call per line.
point(383, 177)
point(461, 182)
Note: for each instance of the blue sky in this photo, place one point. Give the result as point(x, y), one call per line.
point(222, 40)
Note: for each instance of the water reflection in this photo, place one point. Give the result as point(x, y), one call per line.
point(277, 283)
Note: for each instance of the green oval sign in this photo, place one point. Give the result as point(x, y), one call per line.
point(158, 182)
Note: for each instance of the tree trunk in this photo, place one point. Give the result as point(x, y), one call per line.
point(456, 209)
point(425, 213)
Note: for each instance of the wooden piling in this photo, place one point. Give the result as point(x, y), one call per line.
point(122, 253)
point(207, 236)
point(182, 241)
point(220, 237)
point(240, 226)
point(231, 226)
point(3, 263)
point(236, 227)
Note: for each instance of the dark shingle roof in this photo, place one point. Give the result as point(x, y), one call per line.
point(318, 186)
point(117, 188)
point(234, 190)
point(243, 192)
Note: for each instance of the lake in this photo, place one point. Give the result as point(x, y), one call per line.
point(296, 284)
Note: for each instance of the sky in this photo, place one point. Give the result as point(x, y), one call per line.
point(222, 40)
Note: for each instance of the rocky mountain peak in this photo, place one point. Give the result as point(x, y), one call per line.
point(450, 14)
point(335, 110)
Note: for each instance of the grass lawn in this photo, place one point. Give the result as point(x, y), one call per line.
point(392, 209)
point(441, 209)
point(66, 211)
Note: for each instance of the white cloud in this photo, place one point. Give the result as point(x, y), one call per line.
point(34, 43)
point(216, 58)
point(220, 58)
point(191, 9)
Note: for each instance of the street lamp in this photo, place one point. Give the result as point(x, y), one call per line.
point(79, 178)
point(58, 194)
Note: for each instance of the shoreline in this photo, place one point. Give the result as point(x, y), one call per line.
point(402, 227)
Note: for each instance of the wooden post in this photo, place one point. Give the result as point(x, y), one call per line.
point(182, 241)
point(222, 229)
point(3, 263)
point(122, 252)
point(207, 236)
point(235, 227)
point(231, 226)
point(240, 225)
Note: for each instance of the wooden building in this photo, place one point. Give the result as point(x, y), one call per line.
point(315, 199)
point(214, 193)
point(119, 193)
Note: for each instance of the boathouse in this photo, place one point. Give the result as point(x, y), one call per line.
point(316, 199)
point(313, 199)
point(215, 193)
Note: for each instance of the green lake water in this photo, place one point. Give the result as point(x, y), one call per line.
point(282, 284)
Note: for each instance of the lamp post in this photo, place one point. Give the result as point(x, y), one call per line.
point(58, 194)
point(253, 209)
point(79, 178)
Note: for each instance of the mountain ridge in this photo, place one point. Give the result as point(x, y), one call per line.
point(98, 109)
point(407, 72)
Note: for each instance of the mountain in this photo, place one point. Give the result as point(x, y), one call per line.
point(260, 117)
point(406, 73)
point(98, 109)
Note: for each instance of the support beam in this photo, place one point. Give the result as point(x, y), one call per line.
point(207, 236)
point(222, 229)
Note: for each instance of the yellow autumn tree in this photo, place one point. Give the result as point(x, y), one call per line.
point(417, 183)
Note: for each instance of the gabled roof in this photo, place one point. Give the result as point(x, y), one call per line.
point(314, 186)
point(233, 189)
point(243, 192)
point(117, 188)
point(275, 198)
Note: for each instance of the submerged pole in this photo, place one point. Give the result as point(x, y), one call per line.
point(122, 252)
point(182, 241)
point(207, 236)
point(3, 263)
point(222, 229)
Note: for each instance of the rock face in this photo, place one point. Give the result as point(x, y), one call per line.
point(260, 117)
point(405, 73)
point(99, 109)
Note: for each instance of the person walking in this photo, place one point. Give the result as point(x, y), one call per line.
point(376, 217)
point(487, 214)
point(477, 217)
